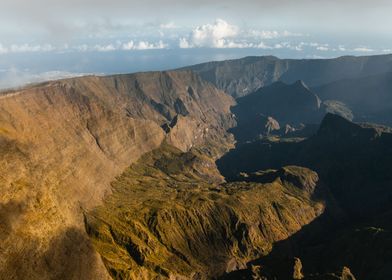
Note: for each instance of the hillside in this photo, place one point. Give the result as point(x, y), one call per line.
point(166, 220)
point(63, 142)
point(164, 175)
point(240, 77)
point(290, 106)
point(369, 98)
point(354, 161)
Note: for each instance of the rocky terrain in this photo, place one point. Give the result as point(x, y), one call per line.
point(63, 142)
point(165, 219)
point(354, 161)
point(164, 175)
point(241, 77)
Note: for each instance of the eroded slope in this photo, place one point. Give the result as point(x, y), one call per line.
point(170, 216)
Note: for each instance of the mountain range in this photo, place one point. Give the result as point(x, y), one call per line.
point(256, 168)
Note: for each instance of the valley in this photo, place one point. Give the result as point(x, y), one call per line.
point(256, 168)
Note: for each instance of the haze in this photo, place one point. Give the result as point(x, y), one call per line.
point(43, 39)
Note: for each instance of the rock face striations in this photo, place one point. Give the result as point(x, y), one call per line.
point(131, 176)
point(243, 76)
point(63, 142)
point(167, 220)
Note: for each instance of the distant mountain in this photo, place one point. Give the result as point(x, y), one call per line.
point(289, 105)
point(369, 98)
point(243, 76)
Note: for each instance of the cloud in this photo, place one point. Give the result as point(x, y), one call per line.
point(26, 48)
point(363, 49)
point(127, 46)
point(169, 25)
point(222, 34)
point(13, 77)
point(144, 45)
point(210, 35)
point(3, 50)
point(271, 34)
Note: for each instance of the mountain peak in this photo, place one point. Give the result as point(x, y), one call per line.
point(301, 84)
point(336, 122)
point(339, 127)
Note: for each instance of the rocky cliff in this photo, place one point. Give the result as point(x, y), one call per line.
point(243, 76)
point(63, 142)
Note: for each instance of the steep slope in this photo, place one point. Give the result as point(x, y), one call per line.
point(352, 159)
point(167, 220)
point(290, 105)
point(370, 98)
point(355, 162)
point(240, 77)
point(63, 142)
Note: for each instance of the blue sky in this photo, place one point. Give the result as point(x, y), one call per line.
point(44, 39)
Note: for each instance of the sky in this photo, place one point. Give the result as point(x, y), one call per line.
point(47, 39)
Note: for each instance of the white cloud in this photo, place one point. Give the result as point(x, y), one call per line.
point(143, 45)
point(270, 34)
point(222, 34)
point(322, 48)
point(104, 48)
point(3, 50)
point(342, 48)
point(184, 43)
point(210, 35)
point(169, 25)
point(25, 48)
point(13, 77)
point(363, 49)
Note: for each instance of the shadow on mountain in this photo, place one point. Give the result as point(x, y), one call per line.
point(279, 109)
point(355, 163)
point(70, 255)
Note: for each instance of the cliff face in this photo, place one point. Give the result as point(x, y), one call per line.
point(289, 105)
point(355, 162)
point(369, 97)
point(63, 142)
point(240, 77)
point(165, 219)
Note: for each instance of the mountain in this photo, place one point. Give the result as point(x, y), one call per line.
point(369, 98)
point(166, 220)
point(62, 143)
point(289, 105)
point(354, 161)
point(348, 156)
point(139, 176)
point(243, 76)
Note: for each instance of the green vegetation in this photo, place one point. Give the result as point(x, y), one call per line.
point(169, 216)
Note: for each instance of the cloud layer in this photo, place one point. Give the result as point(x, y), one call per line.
point(219, 34)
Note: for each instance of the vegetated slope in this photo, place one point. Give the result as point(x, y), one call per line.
point(369, 98)
point(243, 76)
point(171, 217)
point(63, 142)
point(355, 163)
